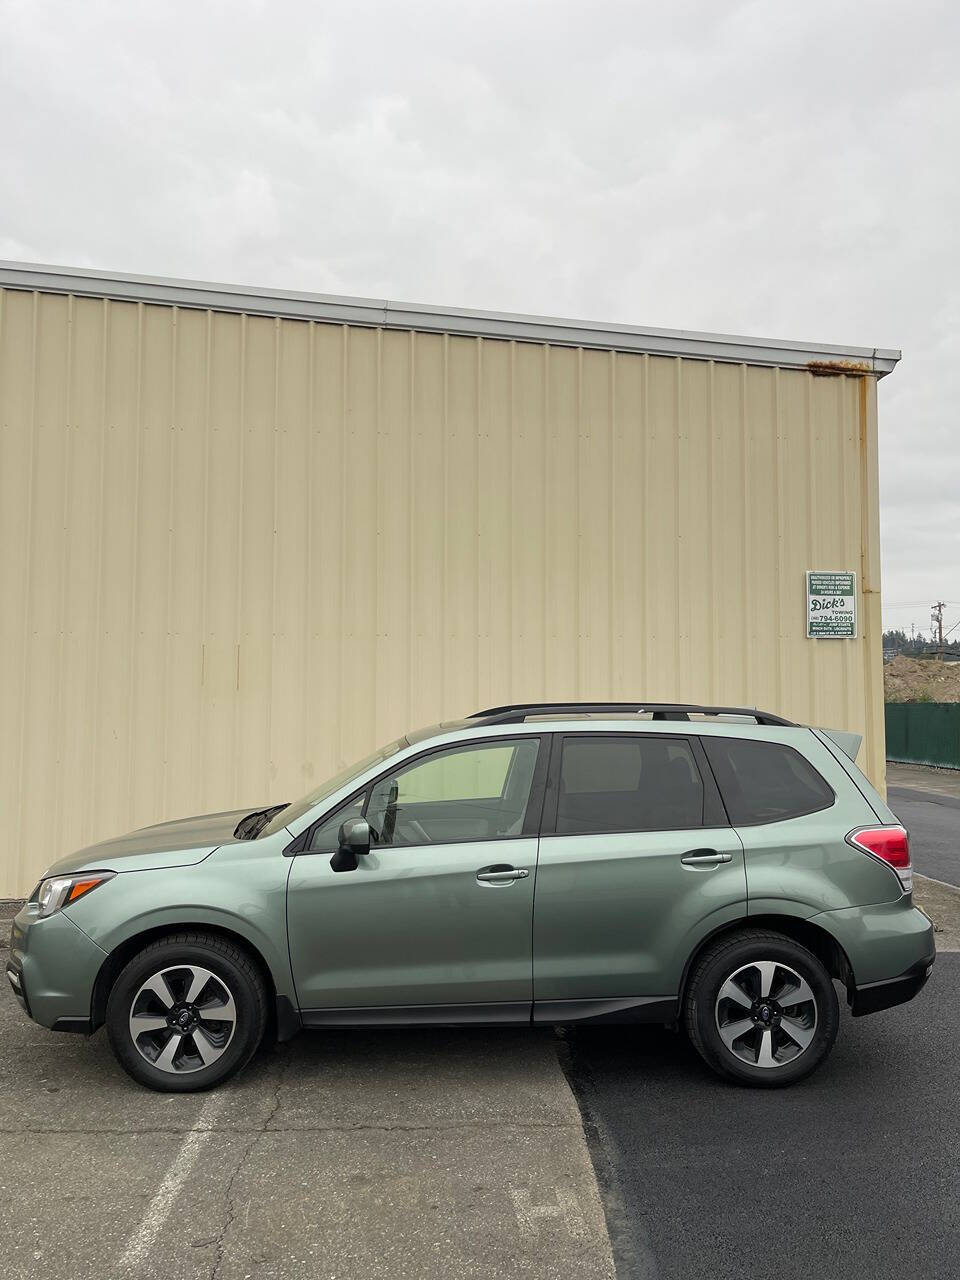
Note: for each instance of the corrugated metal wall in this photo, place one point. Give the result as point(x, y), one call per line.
point(237, 552)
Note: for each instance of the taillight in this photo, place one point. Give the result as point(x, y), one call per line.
point(891, 845)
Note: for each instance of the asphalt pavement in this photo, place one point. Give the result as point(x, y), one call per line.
point(353, 1155)
point(852, 1173)
point(934, 824)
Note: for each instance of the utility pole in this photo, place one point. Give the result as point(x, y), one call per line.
point(936, 621)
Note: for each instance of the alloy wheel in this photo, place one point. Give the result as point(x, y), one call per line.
point(766, 1014)
point(183, 1018)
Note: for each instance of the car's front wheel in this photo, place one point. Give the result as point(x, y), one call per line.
point(761, 1009)
point(186, 1012)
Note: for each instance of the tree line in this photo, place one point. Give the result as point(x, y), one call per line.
point(916, 646)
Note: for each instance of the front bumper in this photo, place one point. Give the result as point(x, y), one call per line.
point(15, 978)
point(52, 967)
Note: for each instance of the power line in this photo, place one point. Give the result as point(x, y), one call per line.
point(915, 604)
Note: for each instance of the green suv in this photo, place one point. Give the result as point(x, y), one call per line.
point(714, 867)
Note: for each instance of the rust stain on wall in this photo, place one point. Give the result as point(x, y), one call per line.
point(834, 368)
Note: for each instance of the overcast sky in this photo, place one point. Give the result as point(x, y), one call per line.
point(788, 170)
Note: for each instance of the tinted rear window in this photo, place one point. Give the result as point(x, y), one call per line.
point(628, 784)
point(765, 781)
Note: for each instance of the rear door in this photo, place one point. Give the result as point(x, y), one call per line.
point(637, 864)
point(793, 823)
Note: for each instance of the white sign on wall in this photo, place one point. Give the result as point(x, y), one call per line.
point(831, 605)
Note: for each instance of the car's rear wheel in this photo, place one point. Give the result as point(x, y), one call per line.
point(761, 1009)
point(186, 1012)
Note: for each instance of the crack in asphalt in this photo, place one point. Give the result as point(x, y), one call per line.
point(245, 1155)
point(301, 1128)
point(298, 1128)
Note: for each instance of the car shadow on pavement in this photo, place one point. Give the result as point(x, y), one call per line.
point(414, 1076)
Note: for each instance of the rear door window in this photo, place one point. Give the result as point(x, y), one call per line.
point(627, 783)
point(765, 781)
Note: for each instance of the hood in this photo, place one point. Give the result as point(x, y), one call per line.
point(168, 844)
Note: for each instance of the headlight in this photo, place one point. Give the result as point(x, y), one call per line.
point(60, 891)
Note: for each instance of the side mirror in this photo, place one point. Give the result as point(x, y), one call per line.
point(355, 835)
point(354, 839)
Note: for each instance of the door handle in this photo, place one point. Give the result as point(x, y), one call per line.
point(705, 858)
point(501, 875)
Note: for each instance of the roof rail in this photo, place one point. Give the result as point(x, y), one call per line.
point(516, 713)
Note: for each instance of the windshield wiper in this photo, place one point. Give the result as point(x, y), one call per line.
point(250, 826)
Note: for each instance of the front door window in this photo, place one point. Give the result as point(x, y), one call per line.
point(477, 792)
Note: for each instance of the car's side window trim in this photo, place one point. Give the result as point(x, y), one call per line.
point(714, 810)
point(713, 814)
point(531, 818)
point(538, 788)
point(548, 822)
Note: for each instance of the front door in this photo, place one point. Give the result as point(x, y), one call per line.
point(436, 920)
point(637, 864)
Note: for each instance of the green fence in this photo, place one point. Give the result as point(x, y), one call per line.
point(924, 733)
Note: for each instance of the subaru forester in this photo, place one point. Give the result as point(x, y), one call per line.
point(717, 869)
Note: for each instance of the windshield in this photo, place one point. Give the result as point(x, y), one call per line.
point(299, 807)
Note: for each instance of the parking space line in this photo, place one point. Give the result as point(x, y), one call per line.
point(142, 1240)
point(566, 1209)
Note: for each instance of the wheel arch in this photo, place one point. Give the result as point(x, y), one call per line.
point(282, 1014)
point(798, 928)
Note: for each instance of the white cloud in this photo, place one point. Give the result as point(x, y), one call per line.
point(783, 170)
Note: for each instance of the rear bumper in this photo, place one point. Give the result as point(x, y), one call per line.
point(874, 996)
point(890, 950)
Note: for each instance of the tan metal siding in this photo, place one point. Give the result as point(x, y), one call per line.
point(238, 551)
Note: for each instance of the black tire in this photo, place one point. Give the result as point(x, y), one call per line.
point(705, 1010)
point(178, 956)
